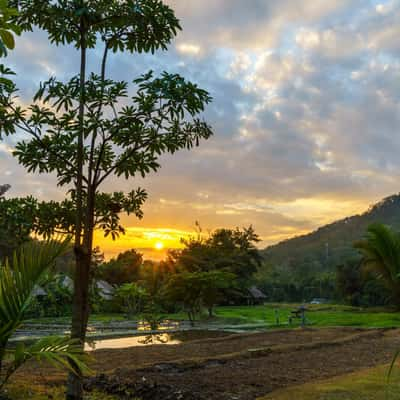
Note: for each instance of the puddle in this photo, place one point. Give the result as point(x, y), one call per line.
point(133, 341)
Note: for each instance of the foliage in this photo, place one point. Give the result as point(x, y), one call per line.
point(381, 255)
point(227, 250)
point(133, 297)
point(331, 245)
point(195, 289)
point(125, 268)
point(17, 220)
point(4, 189)
point(7, 28)
point(88, 129)
point(133, 26)
point(56, 300)
point(358, 287)
point(18, 280)
point(299, 284)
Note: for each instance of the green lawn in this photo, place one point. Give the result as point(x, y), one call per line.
point(370, 384)
point(318, 315)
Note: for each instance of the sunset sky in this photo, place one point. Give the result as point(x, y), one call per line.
point(305, 114)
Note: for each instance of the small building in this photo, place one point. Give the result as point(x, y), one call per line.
point(255, 296)
point(67, 283)
point(106, 291)
point(38, 291)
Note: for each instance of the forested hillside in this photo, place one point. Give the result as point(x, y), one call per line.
point(332, 244)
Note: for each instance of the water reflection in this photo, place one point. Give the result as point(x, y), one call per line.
point(162, 338)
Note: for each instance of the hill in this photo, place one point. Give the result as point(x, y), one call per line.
point(331, 244)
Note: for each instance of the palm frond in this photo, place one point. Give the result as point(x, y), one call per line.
point(19, 277)
point(381, 253)
point(61, 352)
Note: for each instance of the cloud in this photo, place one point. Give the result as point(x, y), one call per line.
point(305, 112)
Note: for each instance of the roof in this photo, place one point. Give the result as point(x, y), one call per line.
point(256, 293)
point(106, 291)
point(38, 291)
point(67, 282)
point(105, 287)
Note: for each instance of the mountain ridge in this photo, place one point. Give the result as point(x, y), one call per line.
point(331, 244)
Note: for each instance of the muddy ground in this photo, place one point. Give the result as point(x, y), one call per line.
point(232, 366)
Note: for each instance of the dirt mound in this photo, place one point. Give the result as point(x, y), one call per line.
point(297, 357)
point(234, 367)
point(142, 390)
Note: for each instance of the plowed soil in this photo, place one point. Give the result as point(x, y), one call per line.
point(234, 367)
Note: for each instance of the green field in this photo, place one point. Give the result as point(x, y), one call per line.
point(317, 315)
point(370, 384)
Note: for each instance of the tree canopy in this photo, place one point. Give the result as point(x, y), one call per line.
point(91, 128)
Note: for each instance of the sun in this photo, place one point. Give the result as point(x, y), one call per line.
point(159, 245)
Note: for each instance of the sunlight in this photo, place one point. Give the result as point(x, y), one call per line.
point(159, 245)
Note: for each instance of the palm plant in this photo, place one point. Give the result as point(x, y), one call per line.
point(381, 255)
point(18, 279)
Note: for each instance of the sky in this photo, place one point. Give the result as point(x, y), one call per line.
point(305, 115)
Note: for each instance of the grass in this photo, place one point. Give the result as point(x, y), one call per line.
point(317, 315)
point(367, 384)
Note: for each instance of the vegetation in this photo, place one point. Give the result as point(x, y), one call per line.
point(7, 28)
point(78, 130)
point(90, 129)
point(381, 255)
point(370, 384)
point(305, 267)
point(229, 250)
point(17, 283)
point(197, 289)
point(125, 268)
point(318, 315)
point(264, 316)
point(132, 297)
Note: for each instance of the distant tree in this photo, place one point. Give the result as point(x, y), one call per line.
point(197, 289)
point(381, 255)
point(226, 250)
point(123, 269)
point(349, 282)
point(4, 189)
point(132, 297)
point(86, 130)
point(56, 300)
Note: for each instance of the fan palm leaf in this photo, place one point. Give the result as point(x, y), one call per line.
point(381, 255)
point(18, 279)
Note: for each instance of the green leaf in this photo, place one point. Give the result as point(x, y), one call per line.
point(7, 38)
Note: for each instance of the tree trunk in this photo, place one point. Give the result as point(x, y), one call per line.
point(80, 315)
point(80, 307)
point(210, 312)
point(81, 310)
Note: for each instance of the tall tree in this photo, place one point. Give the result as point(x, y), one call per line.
point(80, 131)
point(231, 250)
point(381, 254)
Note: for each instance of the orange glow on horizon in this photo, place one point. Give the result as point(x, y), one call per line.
point(153, 243)
point(159, 245)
